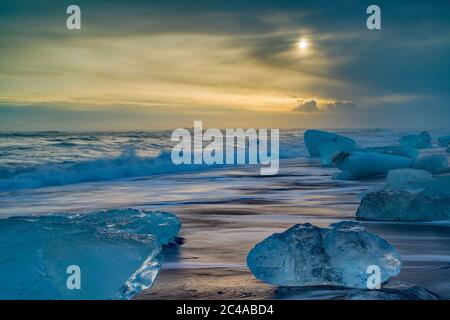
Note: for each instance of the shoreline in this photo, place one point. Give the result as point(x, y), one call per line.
point(207, 283)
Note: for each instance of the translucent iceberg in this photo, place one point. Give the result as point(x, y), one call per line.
point(404, 178)
point(419, 201)
point(435, 163)
point(306, 255)
point(117, 253)
point(328, 150)
point(420, 141)
point(358, 164)
point(395, 151)
point(444, 141)
point(315, 139)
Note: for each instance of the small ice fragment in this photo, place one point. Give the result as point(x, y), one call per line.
point(314, 139)
point(359, 164)
point(435, 163)
point(402, 177)
point(348, 226)
point(306, 255)
point(419, 141)
point(444, 141)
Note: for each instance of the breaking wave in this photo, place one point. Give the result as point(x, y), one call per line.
point(127, 165)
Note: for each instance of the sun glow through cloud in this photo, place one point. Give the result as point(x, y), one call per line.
point(303, 44)
point(235, 65)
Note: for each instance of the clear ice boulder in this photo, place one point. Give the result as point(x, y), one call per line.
point(306, 255)
point(117, 253)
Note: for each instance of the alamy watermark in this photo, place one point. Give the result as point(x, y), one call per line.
point(73, 21)
point(374, 20)
point(236, 146)
point(374, 279)
point(73, 281)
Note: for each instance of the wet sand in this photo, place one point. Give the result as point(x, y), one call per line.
point(225, 212)
point(218, 234)
point(207, 283)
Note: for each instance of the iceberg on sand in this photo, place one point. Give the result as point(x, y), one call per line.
point(395, 151)
point(413, 201)
point(331, 147)
point(322, 142)
point(306, 255)
point(117, 252)
point(435, 163)
point(404, 178)
point(444, 141)
point(420, 141)
point(359, 164)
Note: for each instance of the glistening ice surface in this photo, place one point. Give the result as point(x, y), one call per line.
point(305, 255)
point(116, 254)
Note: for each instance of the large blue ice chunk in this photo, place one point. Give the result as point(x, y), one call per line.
point(117, 253)
point(444, 141)
point(434, 163)
point(358, 164)
point(306, 255)
point(420, 141)
point(418, 201)
point(315, 139)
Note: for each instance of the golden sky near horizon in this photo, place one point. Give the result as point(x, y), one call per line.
point(172, 70)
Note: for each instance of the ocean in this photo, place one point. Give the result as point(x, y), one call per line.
point(225, 210)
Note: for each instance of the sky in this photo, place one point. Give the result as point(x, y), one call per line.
point(150, 65)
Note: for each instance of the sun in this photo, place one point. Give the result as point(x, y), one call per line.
point(303, 44)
